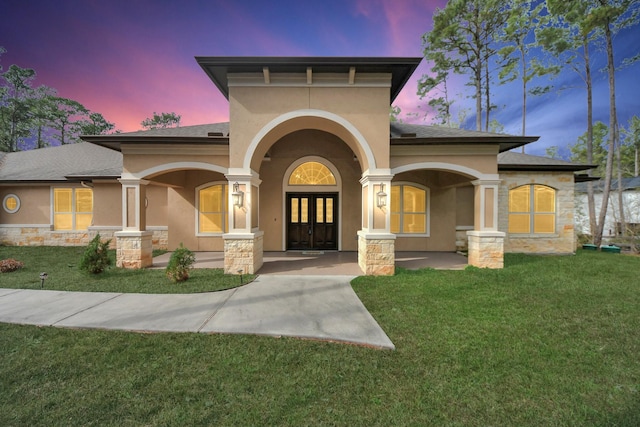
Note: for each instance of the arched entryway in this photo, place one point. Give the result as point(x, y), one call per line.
point(312, 195)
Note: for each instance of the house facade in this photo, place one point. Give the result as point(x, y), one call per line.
point(307, 162)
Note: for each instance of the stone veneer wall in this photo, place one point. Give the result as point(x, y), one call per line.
point(244, 255)
point(563, 240)
point(134, 249)
point(486, 249)
point(462, 241)
point(376, 257)
point(36, 235)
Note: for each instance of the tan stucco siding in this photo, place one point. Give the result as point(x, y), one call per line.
point(107, 204)
point(136, 160)
point(482, 163)
point(563, 240)
point(181, 217)
point(253, 108)
point(272, 173)
point(35, 205)
point(464, 206)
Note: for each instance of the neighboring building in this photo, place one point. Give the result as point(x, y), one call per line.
point(308, 161)
point(612, 227)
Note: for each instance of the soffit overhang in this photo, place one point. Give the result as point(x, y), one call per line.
point(219, 68)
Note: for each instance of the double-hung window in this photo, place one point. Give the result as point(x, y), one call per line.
point(409, 209)
point(213, 217)
point(72, 208)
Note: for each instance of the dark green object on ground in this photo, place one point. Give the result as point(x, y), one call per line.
point(589, 247)
point(611, 249)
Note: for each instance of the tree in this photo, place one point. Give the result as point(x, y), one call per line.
point(632, 140)
point(437, 82)
point(65, 119)
point(94, 124)
point(601, 19)
point(524, 19)
point(161, 121)
point(394, 112)
point(14, 109)
point(462, 40)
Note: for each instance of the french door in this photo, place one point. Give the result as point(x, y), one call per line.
point(312, 221)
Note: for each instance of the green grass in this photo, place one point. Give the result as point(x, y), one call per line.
point(551, 341)
point(61, 265)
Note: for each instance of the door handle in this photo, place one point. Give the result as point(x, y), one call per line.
point(309, 231)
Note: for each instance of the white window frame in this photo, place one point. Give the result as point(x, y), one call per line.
point(225, 213)
point(532, 213)
point(73, 189)
point(6, 208)
point(427, 201)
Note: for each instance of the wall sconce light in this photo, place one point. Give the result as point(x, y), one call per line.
point(381, 197)
point(237, 195)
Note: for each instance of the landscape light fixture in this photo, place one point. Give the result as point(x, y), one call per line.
point(43, 277)
point(237, 195)
point(381, 197)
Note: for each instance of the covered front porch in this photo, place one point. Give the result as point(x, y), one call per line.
point(327, 263)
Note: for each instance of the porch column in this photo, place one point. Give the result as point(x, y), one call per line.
point(486, 243)
point(243, 244)
point(376, 243)
point(134, 244)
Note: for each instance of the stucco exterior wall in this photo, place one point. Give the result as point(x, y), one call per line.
point(35, 205)
point(181, 217)
point(563, 240)
point(252, 108)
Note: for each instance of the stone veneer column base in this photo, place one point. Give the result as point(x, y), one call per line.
point(134, 249)
point(376, 253)
point(243, 253)
point(486, 249)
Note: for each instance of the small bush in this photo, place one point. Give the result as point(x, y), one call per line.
point(180, 263)
point(96, 258)
point(9, 265)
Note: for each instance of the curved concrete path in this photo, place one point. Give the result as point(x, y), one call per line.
point(314, 307)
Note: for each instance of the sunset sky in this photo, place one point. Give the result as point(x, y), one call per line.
point(127, 59)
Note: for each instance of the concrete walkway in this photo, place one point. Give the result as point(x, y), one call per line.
point(314, 307)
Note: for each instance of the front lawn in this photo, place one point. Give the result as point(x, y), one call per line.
point(545, 341)
point(61, 265)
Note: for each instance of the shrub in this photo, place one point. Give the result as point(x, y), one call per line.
point(96, 257)
point(180, 263)
point(9, 265)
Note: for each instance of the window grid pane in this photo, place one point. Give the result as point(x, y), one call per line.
point(329, 214)
point(304, 210)
point(312, 173)
point(320, 210)
point(532, 209)
point(213, 217)
point(408, 209)
point(294, 210)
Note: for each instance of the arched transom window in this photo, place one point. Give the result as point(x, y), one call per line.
point(312, 173)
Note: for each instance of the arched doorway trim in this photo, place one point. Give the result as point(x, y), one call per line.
point(286, 187)
point(273, 124)
point(445, 167)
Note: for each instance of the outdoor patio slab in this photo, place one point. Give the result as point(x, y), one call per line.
point(151, 312)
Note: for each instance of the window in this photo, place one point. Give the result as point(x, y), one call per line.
point(212, 209)
point(72, 208)
point(409, 209)
point(11, 203)
point(532, 209)
point(312, 173)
